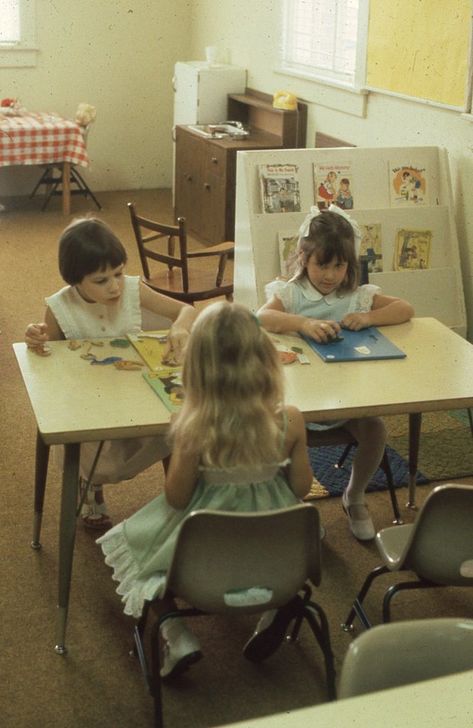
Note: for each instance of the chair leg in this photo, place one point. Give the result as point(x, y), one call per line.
point(343, 456)
point(385, 466)
point(320, 629)
point(402, 586)
point(357, 609)
point(43, 177)
point(221, 269)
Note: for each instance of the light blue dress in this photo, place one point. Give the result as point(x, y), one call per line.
point(302, 298)
point(140, 549)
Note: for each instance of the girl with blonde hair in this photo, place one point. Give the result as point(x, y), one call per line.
point(235, 447)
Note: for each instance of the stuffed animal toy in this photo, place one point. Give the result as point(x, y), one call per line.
point(85, 114)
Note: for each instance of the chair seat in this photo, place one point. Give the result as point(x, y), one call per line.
point(391, 543)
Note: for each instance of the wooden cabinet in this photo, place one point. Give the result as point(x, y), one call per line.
point(205, 168)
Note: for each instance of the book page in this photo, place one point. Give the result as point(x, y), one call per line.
point(287, 253)
point(151, 346)
point(407, 185)
point(280, 188)
point(412, 249)
point(333, 183)
point(371, 247)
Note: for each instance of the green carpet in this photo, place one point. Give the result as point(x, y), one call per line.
point(446, 443)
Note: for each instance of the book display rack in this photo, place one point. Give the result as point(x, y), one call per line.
point(401, 198)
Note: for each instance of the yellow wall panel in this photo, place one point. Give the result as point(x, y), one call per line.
point(420, 48)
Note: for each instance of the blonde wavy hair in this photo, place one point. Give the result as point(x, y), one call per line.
point(233, 391)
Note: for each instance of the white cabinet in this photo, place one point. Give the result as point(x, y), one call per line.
point(201, 90)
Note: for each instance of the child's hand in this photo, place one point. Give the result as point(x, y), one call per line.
point(177, 341)
point(356, 321)
point(321, 331)
point(36, 335)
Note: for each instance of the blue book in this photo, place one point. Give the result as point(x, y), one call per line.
point(361, 345)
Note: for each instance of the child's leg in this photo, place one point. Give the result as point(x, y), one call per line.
point(370, 433)
point(180, 648)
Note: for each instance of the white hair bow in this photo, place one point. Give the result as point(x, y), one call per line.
point(315, 212)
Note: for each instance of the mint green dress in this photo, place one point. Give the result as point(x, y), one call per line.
point(140, 549)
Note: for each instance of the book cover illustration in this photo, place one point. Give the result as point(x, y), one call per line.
point(167, 387)
point(333, 184)
point(412, 249)
point(287, 254)
point(280, 188)
point(371, 247)
point(408, 185)
point(151, 346)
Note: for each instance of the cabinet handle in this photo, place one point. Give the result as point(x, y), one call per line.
point(189, 177)
point(206, 186)
point(214, 160)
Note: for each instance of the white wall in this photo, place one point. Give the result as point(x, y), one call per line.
point(119, 55)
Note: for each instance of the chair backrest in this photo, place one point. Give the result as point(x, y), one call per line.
point(440, 547)
point(245, 561)
point(400, 653)
point(158, 241)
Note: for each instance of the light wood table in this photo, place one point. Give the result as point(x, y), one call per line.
point(444, 701)
point(75, 402)
point(437, 374)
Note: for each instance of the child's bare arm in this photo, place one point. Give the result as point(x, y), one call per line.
point(181, 478)
point(275, 319)
point(299, 470)
point(37, 335)
point(386, 310)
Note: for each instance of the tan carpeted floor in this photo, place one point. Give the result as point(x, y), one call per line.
point(97, 684)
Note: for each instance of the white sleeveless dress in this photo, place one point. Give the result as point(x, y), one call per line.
point(78, 319)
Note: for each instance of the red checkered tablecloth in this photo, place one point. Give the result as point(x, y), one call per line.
point(40, 138)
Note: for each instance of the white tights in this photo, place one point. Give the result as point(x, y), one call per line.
point(370, 433)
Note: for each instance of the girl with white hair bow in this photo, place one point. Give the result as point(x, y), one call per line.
point(323, 297)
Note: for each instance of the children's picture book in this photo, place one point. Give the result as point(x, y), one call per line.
point(151, 346)
point(333, 183)
point(412, 249)
point(371, 247)
point(168, 387)
point(287, 253)
point(280, 188)
point(361, 345)
point(407, 185)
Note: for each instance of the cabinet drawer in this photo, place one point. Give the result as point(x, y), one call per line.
point(214, 160)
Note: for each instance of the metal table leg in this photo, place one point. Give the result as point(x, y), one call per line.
point(41, 471)
point(415, 422)
point(67, 532)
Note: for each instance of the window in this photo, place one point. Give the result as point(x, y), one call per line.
point(17, 33)
point(326, 40)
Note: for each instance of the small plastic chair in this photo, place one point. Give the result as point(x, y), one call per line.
point(401, 653)
point(194, 280)
point(242, 563)
point(437, 548)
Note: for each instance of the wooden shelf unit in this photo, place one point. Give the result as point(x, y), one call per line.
point(205, 168)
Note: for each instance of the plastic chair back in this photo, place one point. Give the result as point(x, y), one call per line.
point(400, 653)
point(245, 561)
point(440, 547)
